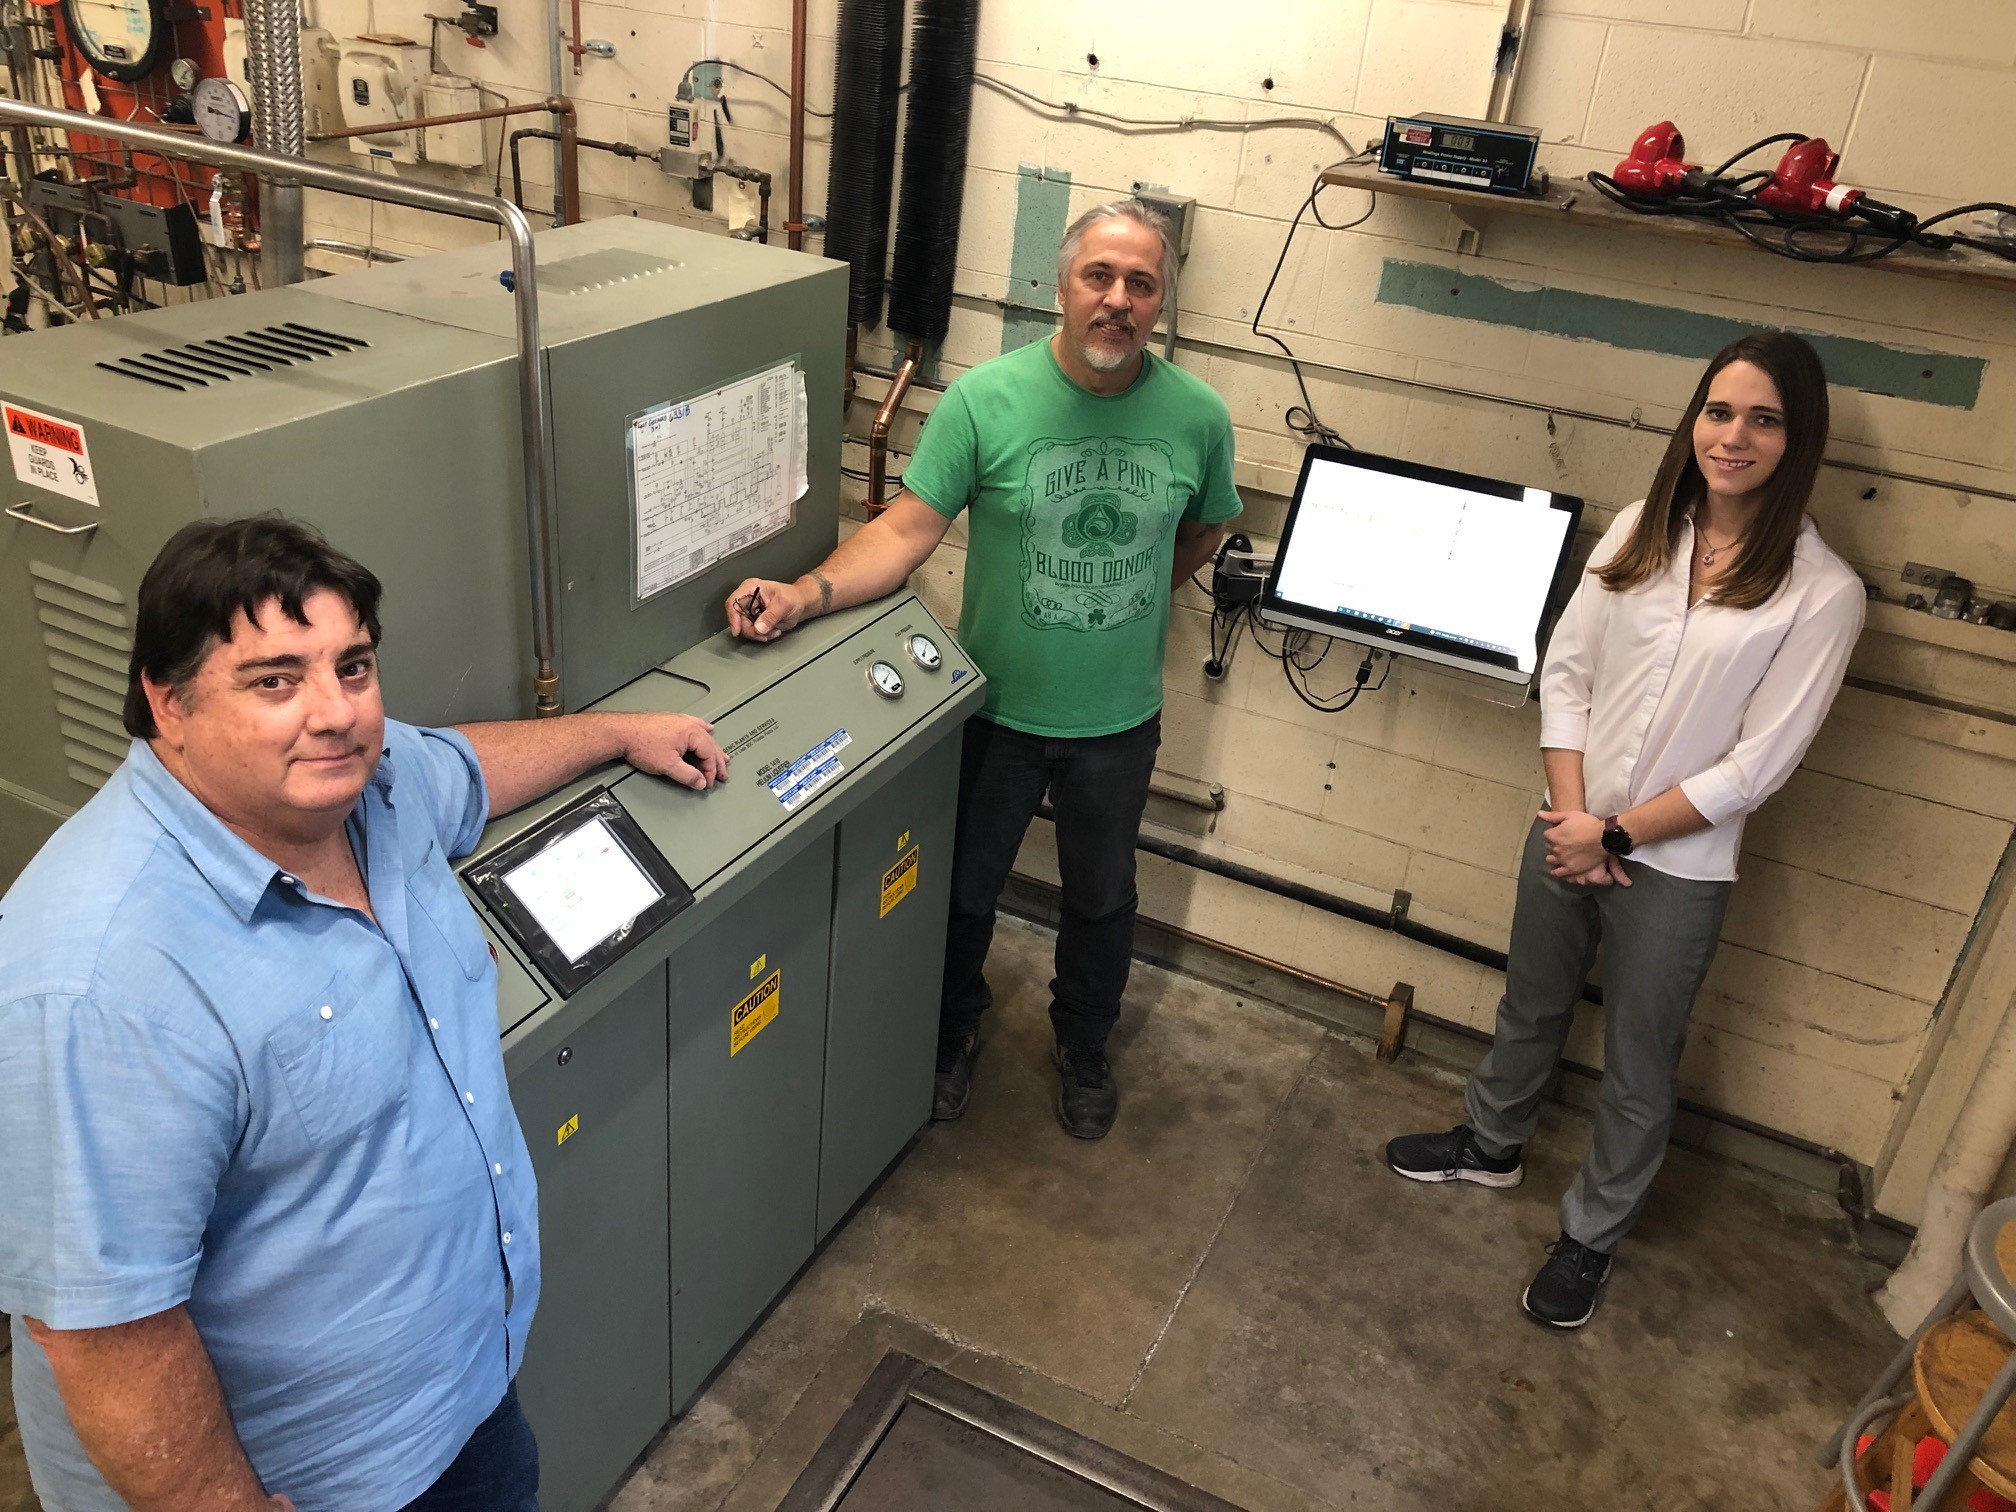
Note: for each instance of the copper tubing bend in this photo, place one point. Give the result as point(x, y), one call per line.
point(558, 106)
point(878, 435)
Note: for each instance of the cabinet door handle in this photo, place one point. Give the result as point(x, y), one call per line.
point(22, 513)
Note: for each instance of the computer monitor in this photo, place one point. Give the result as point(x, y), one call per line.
point(1423, 561)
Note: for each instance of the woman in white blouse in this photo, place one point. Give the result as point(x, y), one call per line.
point(1687, 676)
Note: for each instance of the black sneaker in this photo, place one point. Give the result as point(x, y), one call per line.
point(1455, 1156)
point(1089, 1098)
point(953, 1087)
point(1563, 1295)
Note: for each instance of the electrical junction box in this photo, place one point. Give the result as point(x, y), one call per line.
point(460, 145)
point(320, 109)
point(1181, 214)
point(380, 82)
point(1487, 155)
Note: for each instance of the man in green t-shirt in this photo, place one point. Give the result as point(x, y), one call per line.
point(1096, 477)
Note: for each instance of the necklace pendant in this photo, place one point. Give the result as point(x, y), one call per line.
point(1708, 557)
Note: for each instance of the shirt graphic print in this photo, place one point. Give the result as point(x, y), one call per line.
point(1094, 514)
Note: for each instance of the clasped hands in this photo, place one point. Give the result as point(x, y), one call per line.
point(1575, 850)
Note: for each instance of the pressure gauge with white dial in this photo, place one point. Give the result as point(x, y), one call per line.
point(120, 39)
point(184, 73)
point(223, 113)
point(886, 680)
point(924, 651)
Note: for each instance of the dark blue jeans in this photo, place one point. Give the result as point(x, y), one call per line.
point(1098, 786)
point(497, 1470)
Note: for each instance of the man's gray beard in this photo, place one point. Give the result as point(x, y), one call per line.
point(1104, 359)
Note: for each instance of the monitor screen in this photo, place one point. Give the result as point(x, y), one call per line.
point(582, 888)
point(1427, 562)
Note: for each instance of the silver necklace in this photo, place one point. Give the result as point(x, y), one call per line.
point(1708, 556)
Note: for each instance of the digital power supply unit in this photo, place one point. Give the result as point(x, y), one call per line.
point(1440, 149)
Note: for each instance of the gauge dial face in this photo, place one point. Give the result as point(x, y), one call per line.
point(184, 73)
point(886, 680)
point(223, 114)
point(120, 39)
point(924, 651)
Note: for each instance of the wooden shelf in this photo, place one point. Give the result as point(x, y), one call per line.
point(1576, 202)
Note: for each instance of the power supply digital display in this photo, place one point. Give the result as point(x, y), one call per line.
point(1439, 149)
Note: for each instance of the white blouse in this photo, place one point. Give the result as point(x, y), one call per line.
point(1720, 702)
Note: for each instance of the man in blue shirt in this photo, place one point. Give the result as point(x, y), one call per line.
point(271, 1235)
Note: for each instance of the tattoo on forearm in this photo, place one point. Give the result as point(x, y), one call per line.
point(825, 591)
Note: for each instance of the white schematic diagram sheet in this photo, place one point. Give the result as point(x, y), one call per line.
point(713, 475)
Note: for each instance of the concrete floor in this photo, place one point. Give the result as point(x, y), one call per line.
point(1233, 1288)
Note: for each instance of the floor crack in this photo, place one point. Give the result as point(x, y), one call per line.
point(1238, 1191)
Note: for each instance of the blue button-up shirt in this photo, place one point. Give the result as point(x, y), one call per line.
point(220, 1089)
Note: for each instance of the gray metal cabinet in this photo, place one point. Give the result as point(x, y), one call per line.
point(594, 1381)
point(891, 886)
point(745, 1121)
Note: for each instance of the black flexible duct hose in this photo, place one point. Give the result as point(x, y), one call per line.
point(865, 82)
point(943, 40)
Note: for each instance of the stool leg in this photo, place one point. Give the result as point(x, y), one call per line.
point(1830, 1454)
point(1912, 1425)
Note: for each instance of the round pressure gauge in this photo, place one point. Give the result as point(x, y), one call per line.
point(885, 679)
point(184, 73)
point(223, 113)
point(120, 39)
point(924, 651)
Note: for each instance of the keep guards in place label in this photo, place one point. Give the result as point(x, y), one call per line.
point(754, 1012)
point(899, 881)
point(50, 453)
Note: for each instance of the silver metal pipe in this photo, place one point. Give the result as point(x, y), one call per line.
point(536, 439)
point(354, 249)
point(273, 52)
point(556, 86)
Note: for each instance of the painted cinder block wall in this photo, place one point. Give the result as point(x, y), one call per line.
point(1868, 876)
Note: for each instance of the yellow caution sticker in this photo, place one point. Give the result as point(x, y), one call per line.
point(749, 1017)
point(569, 1129)
point(756, 966)
point(899, 881)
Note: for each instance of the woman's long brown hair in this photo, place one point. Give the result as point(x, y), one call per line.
point(1678, 487)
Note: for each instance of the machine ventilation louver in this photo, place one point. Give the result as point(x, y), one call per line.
point(87, 632)
point(219, 359)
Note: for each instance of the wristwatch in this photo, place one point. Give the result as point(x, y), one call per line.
point(1617, 839)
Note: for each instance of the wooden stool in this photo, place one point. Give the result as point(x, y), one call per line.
point(1952, 1368)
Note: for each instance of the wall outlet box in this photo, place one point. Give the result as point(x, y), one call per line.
point(382, 81)
point(1180, 212)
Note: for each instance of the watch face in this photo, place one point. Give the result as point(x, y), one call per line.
point(120, 39)
point(222, 111)
point(184, 73)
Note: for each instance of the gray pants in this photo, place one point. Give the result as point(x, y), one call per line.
point(1658, 937)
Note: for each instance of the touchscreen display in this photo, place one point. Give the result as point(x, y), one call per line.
point(582, 888)
point(1425, 558)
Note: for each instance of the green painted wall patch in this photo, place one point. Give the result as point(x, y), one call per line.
point(1042, 206)
point(1898, 372)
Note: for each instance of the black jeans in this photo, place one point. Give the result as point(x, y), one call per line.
point(497, 1470)
point(1098, 786)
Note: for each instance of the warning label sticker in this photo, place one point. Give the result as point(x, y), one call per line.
point(899, 881)
point(749, 1017)
point(50, 453)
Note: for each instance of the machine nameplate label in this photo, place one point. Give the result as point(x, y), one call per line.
point(749, 1017)
point(810, 772)
point(899, 881)
point(50, 453)
point(569, 1129)
point(742, 742)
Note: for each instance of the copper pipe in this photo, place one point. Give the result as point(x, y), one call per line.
point(574, 43)
point(878, 435)
point(794, 210)
point(554, 105)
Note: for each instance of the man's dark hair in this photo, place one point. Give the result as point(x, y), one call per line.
point(211, 571)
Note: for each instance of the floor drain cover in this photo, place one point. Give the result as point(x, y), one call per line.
point(917, 1440)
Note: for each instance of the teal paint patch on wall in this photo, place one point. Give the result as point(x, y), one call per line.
point(1898, 372)
point(1042, 205)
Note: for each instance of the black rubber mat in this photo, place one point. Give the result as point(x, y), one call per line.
point(918, 1440)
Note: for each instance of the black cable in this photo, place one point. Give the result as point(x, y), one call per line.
point(1731, 161)
point(824, 115)
point(1308, 424)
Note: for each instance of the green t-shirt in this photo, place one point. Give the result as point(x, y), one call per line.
point(1074, 500)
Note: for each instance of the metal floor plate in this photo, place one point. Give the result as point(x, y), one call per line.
point(917, 1440)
